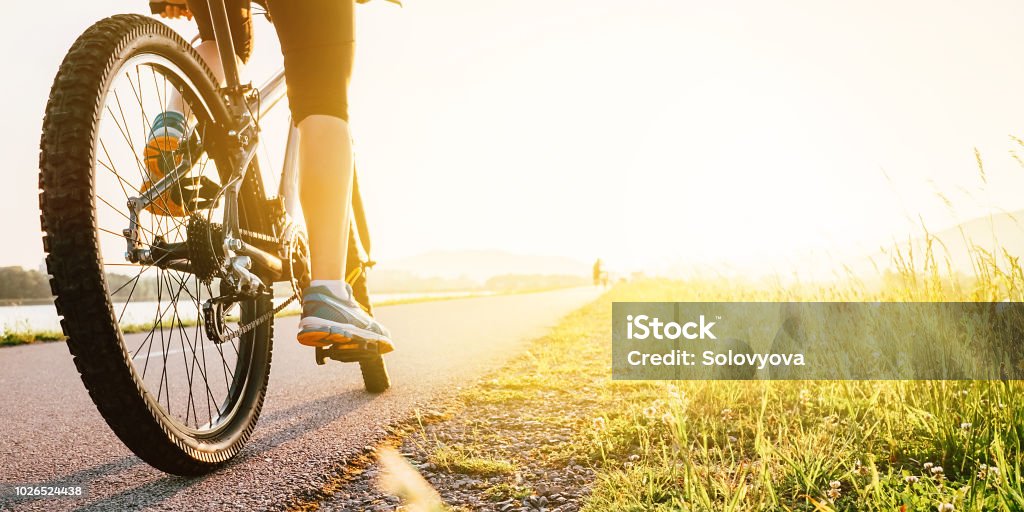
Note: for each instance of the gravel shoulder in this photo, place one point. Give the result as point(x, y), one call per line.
point(517, 439)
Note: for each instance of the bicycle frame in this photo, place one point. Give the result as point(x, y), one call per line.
point(242, 137)
point(270, 94)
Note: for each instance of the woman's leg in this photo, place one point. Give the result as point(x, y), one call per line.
point(325, 190)
point(206, 49)
point(240, 21)
point(169, 127)
point(318, 43)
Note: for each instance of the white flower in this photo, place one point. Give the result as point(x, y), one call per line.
point(674, 392)
point(834, 490)
point(946, 507)
point(937, 470)
point(985, 472)
point(965, 425)
point(910, 479)
point(928, 466)
point(668, 418)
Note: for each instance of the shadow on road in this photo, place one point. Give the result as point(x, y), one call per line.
point(301, 419)
point(83, 477)
point(278, 427)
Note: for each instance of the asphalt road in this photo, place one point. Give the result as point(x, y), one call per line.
point(315, 417)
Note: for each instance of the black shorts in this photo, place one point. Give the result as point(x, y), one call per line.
point(317, 41)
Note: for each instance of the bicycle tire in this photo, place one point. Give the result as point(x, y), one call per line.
point(74, 260)
point(374, 371)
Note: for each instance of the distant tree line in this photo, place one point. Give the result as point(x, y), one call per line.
point(509, 282)
point(18, 283)
point(392, 281)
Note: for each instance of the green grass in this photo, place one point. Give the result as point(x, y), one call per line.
point(787, 445)
point(14, 337)
point(783, 445)
point(457, 459)
point(745, 445)
point(797, 445)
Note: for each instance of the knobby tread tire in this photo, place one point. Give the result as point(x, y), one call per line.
point(375, 375)
point(374, 371)
point(71, 242)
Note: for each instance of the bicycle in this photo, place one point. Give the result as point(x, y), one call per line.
point(213, 282)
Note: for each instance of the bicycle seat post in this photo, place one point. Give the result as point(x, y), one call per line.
point(226, 48)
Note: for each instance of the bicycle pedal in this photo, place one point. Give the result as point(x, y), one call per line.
point(352, 351)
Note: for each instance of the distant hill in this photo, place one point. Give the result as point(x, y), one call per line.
point(481, 265)
point(383, 280)
point(995, 234)
point(1003, 231)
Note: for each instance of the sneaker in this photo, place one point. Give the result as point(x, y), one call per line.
point(165, 137)
point(340, 323)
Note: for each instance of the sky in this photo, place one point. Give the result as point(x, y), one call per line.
point(653, 133)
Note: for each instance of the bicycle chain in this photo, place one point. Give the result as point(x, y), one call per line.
point(262, 237)
point(245, 329)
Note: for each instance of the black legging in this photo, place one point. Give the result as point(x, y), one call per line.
point(317, 41)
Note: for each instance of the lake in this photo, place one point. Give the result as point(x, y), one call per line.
point(39, 317)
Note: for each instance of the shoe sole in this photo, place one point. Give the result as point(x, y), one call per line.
point(344, 337)
point(154, 152)
point(152, 155)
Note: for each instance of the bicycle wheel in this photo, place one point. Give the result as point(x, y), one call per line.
point(181, 402)
point(374, 371)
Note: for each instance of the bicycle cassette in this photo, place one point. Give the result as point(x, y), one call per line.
point(205, 247)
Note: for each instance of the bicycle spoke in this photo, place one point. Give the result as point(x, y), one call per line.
point(170, 297)
point(225, 366)
point(143, 172)
point(158, 327)
point(96, 162)
point(126, 284)
point(183, 287)
point(189, 369)
point(112, 207)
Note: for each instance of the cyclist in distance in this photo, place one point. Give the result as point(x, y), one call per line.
point(318, 44)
